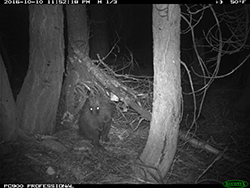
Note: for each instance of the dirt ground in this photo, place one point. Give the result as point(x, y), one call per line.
point(221, 126)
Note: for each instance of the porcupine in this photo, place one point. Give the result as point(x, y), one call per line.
point(95, 120)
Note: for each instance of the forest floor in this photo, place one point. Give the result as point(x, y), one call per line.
point(221, 125)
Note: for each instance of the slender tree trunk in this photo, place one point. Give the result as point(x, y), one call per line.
point(6, 58)
point(241, 79)
point(244, 102)
point(38, 99)
point(8, 115)
point(99, 43)
point(160, 149)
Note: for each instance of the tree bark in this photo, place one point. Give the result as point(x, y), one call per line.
point(78, 31)
point(78, 37)
point(38, 99)
point(160, 149)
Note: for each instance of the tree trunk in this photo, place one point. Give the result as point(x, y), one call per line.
point(78, 37)
point(8, 115)
point(38, 99)
point(244, 102)
point(6, 58)
point(78, 32)
point(99, 43)
point(241, 80)
point(160, 149)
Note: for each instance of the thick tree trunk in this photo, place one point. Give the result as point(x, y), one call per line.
point(38, 99)
point(78, 37)
point(162, 141)
point(78, 32)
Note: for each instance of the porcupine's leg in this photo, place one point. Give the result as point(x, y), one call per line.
point(96, 139)
point(105, 132)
